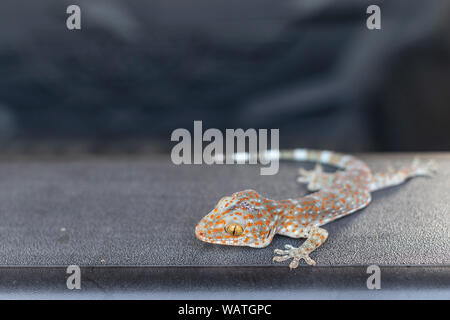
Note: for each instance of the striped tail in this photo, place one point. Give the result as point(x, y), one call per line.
point(339, 160)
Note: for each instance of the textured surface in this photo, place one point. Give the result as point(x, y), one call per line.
point(225, 283)
point(143, 210)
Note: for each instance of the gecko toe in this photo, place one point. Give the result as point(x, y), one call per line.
point(309, 261)
point(293, 253)
point(281, 258)
point(280, 252)
point(428, 169)
point(293, 264)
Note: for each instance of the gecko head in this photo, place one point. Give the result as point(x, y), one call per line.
point(243, 219)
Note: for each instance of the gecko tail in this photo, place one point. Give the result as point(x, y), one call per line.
point(332, 158)
point(327, 157)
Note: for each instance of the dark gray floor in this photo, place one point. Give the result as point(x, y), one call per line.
point(142, 211)
point(225, 283)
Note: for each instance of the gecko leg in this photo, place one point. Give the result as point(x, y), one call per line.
point(395, 177)
point(316, 178)
point(315, 237)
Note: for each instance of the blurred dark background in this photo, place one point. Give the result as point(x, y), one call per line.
point(139, 69)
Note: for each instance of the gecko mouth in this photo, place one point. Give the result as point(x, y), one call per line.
point(199, 234)
point(270, 233)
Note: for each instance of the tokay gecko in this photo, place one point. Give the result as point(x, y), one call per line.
point(248, 219)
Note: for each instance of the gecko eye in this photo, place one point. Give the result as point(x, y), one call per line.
point(234, 229)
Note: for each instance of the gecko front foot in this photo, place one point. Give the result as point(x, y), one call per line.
point(295, 253)
point(420, 168)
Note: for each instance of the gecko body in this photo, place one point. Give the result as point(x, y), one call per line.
point(246, 218)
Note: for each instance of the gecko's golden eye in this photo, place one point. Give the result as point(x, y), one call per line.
point(234, 229)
